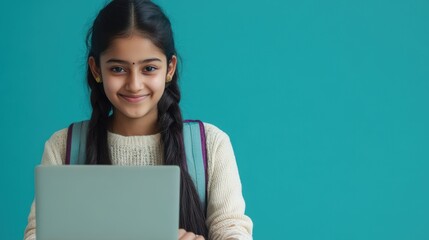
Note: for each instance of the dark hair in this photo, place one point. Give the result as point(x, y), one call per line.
point(121, 18)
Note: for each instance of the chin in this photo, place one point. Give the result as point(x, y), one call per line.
point(138, 115)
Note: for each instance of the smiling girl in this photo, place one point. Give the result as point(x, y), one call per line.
point(136, 119)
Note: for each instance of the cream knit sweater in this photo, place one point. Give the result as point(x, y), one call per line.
point(225, 206)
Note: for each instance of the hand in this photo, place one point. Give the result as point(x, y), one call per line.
point(184, 235)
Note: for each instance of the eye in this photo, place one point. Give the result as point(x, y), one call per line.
point(117, 69)
point(149, 68)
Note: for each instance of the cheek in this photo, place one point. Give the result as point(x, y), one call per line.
point(110, 88)
point(158, 86)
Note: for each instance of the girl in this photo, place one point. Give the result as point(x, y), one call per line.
point(136, 119)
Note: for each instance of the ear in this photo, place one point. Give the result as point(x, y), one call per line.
point(94, 69)
point(172, 66)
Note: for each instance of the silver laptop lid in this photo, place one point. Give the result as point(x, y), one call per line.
point(107, 202)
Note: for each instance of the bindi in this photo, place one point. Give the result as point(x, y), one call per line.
point(134, 63)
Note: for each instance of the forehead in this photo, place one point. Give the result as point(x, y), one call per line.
point(133, 48)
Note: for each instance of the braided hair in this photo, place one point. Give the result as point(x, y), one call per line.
point(117, 19)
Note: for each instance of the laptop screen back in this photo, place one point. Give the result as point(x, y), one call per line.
point(107, 202)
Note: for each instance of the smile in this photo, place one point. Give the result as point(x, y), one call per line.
point(134, 98)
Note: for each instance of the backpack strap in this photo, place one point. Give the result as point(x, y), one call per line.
point(76, 143)
point(196, 156)
point(195, 150)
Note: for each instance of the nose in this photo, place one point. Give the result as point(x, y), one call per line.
point(135, 82)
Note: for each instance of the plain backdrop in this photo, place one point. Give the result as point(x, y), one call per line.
point(326, 103)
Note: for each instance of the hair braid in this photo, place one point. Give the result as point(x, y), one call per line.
point(192, 216)
point(96, 151)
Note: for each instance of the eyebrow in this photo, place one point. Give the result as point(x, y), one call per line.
point(115, 60)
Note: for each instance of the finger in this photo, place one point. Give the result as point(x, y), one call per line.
point(181, 232)
point(199, 237)
point(188, 236)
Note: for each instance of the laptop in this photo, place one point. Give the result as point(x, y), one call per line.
point(107, 202)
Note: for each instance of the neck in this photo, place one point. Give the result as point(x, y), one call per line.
point(122, 125)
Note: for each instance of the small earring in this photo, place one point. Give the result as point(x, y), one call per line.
point(169, 78)
point(98, 80)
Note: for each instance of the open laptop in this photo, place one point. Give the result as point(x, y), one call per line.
point(107, 202)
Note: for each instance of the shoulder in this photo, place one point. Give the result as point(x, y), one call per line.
point(214, 134)
point(212, 130)
point(55, 148)
point(218, 143)
point(59, 136)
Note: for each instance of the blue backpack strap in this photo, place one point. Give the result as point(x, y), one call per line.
point(76, 143)
point(196, 156)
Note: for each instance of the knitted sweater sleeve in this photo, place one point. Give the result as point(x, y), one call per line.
point(54, 154)
point(226, 217)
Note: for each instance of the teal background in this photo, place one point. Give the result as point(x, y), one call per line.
point(326, 103)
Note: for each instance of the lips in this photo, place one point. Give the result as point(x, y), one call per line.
point(134, 98)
